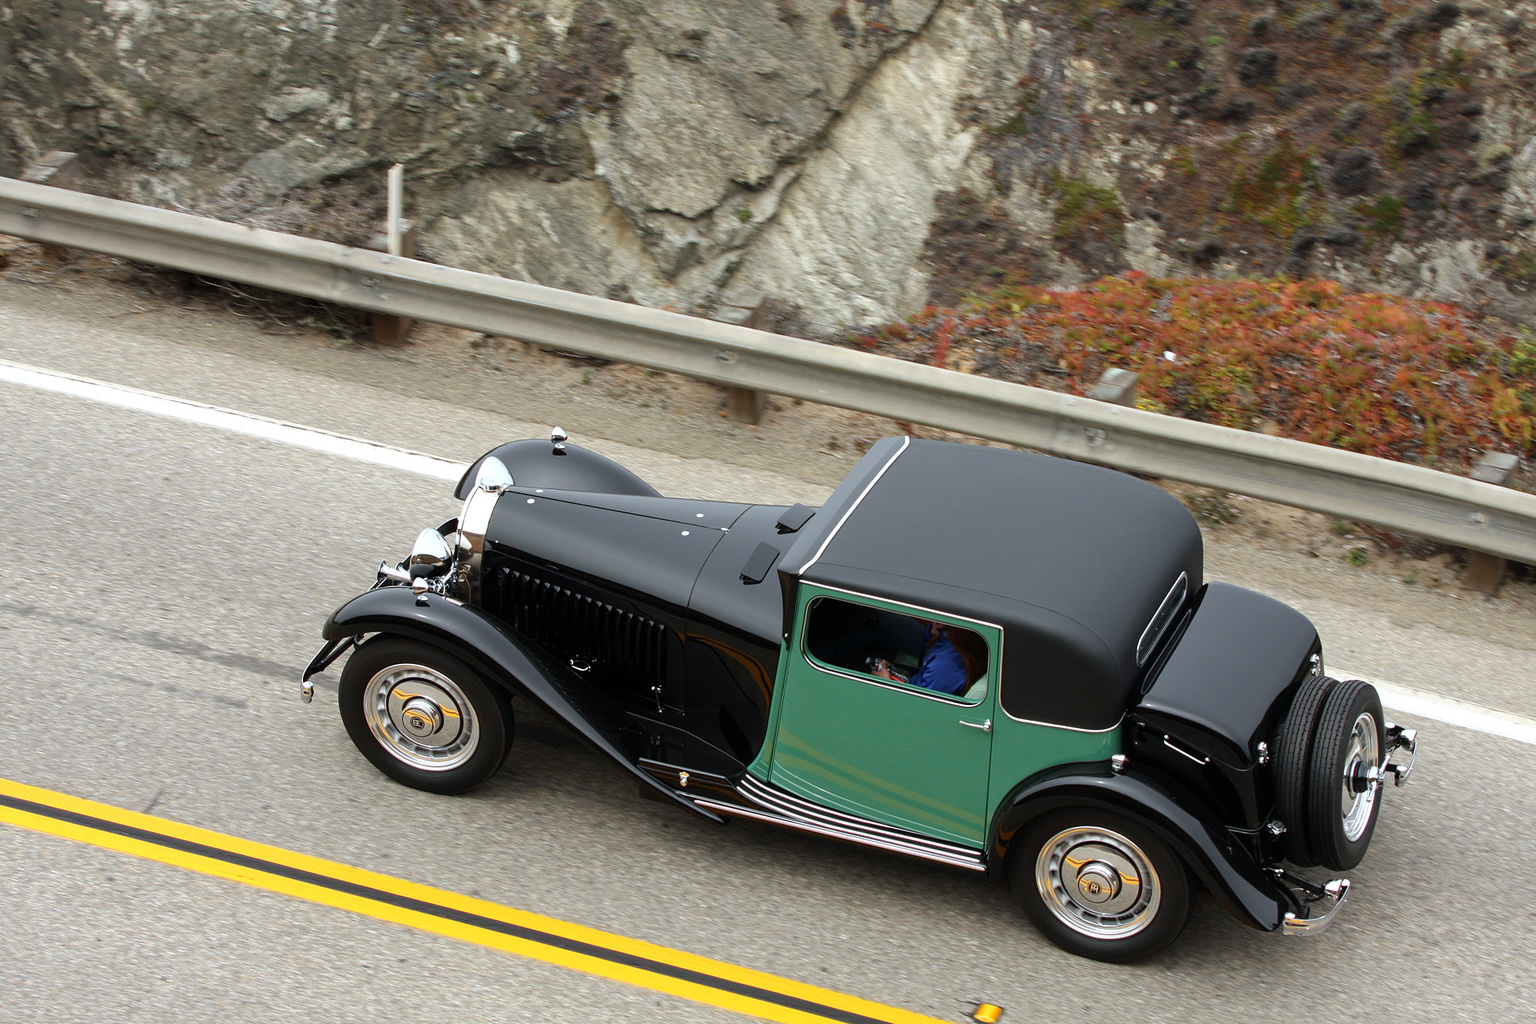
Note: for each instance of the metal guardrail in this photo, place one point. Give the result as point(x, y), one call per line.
point(1402, 497)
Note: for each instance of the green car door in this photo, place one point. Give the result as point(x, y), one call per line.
point(878, 747)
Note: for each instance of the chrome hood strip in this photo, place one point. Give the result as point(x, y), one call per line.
point(473, 523)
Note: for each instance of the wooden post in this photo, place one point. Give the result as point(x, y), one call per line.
point(389, 328)
point(1115, 386)
point(743, 404)
point(1485, 572)
point(57, 169)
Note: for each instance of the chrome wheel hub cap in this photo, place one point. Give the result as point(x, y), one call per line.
point(421, 717)
point(1362, 754)
point(1098, 883)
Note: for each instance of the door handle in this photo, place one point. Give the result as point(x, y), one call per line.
point(983, 726)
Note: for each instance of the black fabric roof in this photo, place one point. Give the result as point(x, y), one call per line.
point(1071, 560)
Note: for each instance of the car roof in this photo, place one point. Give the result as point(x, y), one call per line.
point(1072, 560)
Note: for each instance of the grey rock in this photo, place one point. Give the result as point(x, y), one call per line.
point(684, 153)
point(1353, 172)
point(292, 101)
point(1349, 116)
point(1340, 236)
point(1421, 196)
point(300, 161)
point(1257, 65)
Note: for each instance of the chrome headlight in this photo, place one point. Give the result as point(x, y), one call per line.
point(430, 556)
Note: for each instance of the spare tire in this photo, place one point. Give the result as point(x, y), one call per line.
point(1293, 758)
point(1343, 796)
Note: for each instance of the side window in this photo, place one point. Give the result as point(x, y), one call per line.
point(893, 647)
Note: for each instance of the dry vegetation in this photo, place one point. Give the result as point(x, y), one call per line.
point(1401, 379)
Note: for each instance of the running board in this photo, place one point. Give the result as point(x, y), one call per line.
point(777, 807)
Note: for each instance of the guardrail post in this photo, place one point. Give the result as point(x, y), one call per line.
point(57, 169)
point(389, 329)
point(1115, 386)
point(1485, 572)
point(743, 404)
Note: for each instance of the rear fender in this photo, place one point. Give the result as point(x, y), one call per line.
point(498, 654)
point(1224, 866)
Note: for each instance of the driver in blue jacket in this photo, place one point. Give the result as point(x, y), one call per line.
point(942, 668)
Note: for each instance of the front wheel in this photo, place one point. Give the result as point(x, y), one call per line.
point(423, 717)
point(1100, 885)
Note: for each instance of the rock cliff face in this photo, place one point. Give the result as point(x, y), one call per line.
point(855, 160)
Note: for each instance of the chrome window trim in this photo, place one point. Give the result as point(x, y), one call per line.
point(1001, 654)
point(1144, 648)
point(905, 444)
point(916, 691)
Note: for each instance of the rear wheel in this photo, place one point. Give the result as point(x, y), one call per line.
point(1100, 885)
point(423, 717)
point(1343, 792)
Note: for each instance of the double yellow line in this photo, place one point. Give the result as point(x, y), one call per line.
point(435, 910)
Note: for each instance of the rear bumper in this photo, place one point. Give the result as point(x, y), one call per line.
point(1317, 905)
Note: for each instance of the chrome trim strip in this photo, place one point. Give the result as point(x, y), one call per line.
point(959, 619)
point(784, 805)
point(903, 604)
point(1202, 761)
point(474, 520)
point(971, 863)
point(954, 856)
point(905, 443)
point(1143, 648)
point(778, 801)
point(1058, 725)
point(933, 613)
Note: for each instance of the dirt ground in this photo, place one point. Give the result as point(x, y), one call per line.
point(1312, 552)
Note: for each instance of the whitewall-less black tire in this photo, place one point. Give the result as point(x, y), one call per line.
point(1343, 793)
point(423, 717)
point(1100, 884)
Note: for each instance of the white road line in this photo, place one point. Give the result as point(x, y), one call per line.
point(233, 422)
point(1399, 698)
point(1448, 709)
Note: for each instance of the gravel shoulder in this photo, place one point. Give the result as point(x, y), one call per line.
point(1400, 614)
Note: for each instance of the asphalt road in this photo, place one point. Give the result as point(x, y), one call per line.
point(167, 582)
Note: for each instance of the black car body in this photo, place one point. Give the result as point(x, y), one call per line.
point(1116, 723)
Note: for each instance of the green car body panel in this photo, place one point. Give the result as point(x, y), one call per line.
point(936, 764)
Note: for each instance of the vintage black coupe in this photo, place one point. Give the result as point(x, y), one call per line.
point(1004, 662)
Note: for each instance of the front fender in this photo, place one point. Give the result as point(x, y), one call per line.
point(1222, 864)
point(498, 654)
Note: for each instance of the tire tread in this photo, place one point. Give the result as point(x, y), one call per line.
point(1293, 757)
point(1331, 848)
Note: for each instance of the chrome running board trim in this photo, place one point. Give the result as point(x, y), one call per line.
point(777, 807)
point(786, 804)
